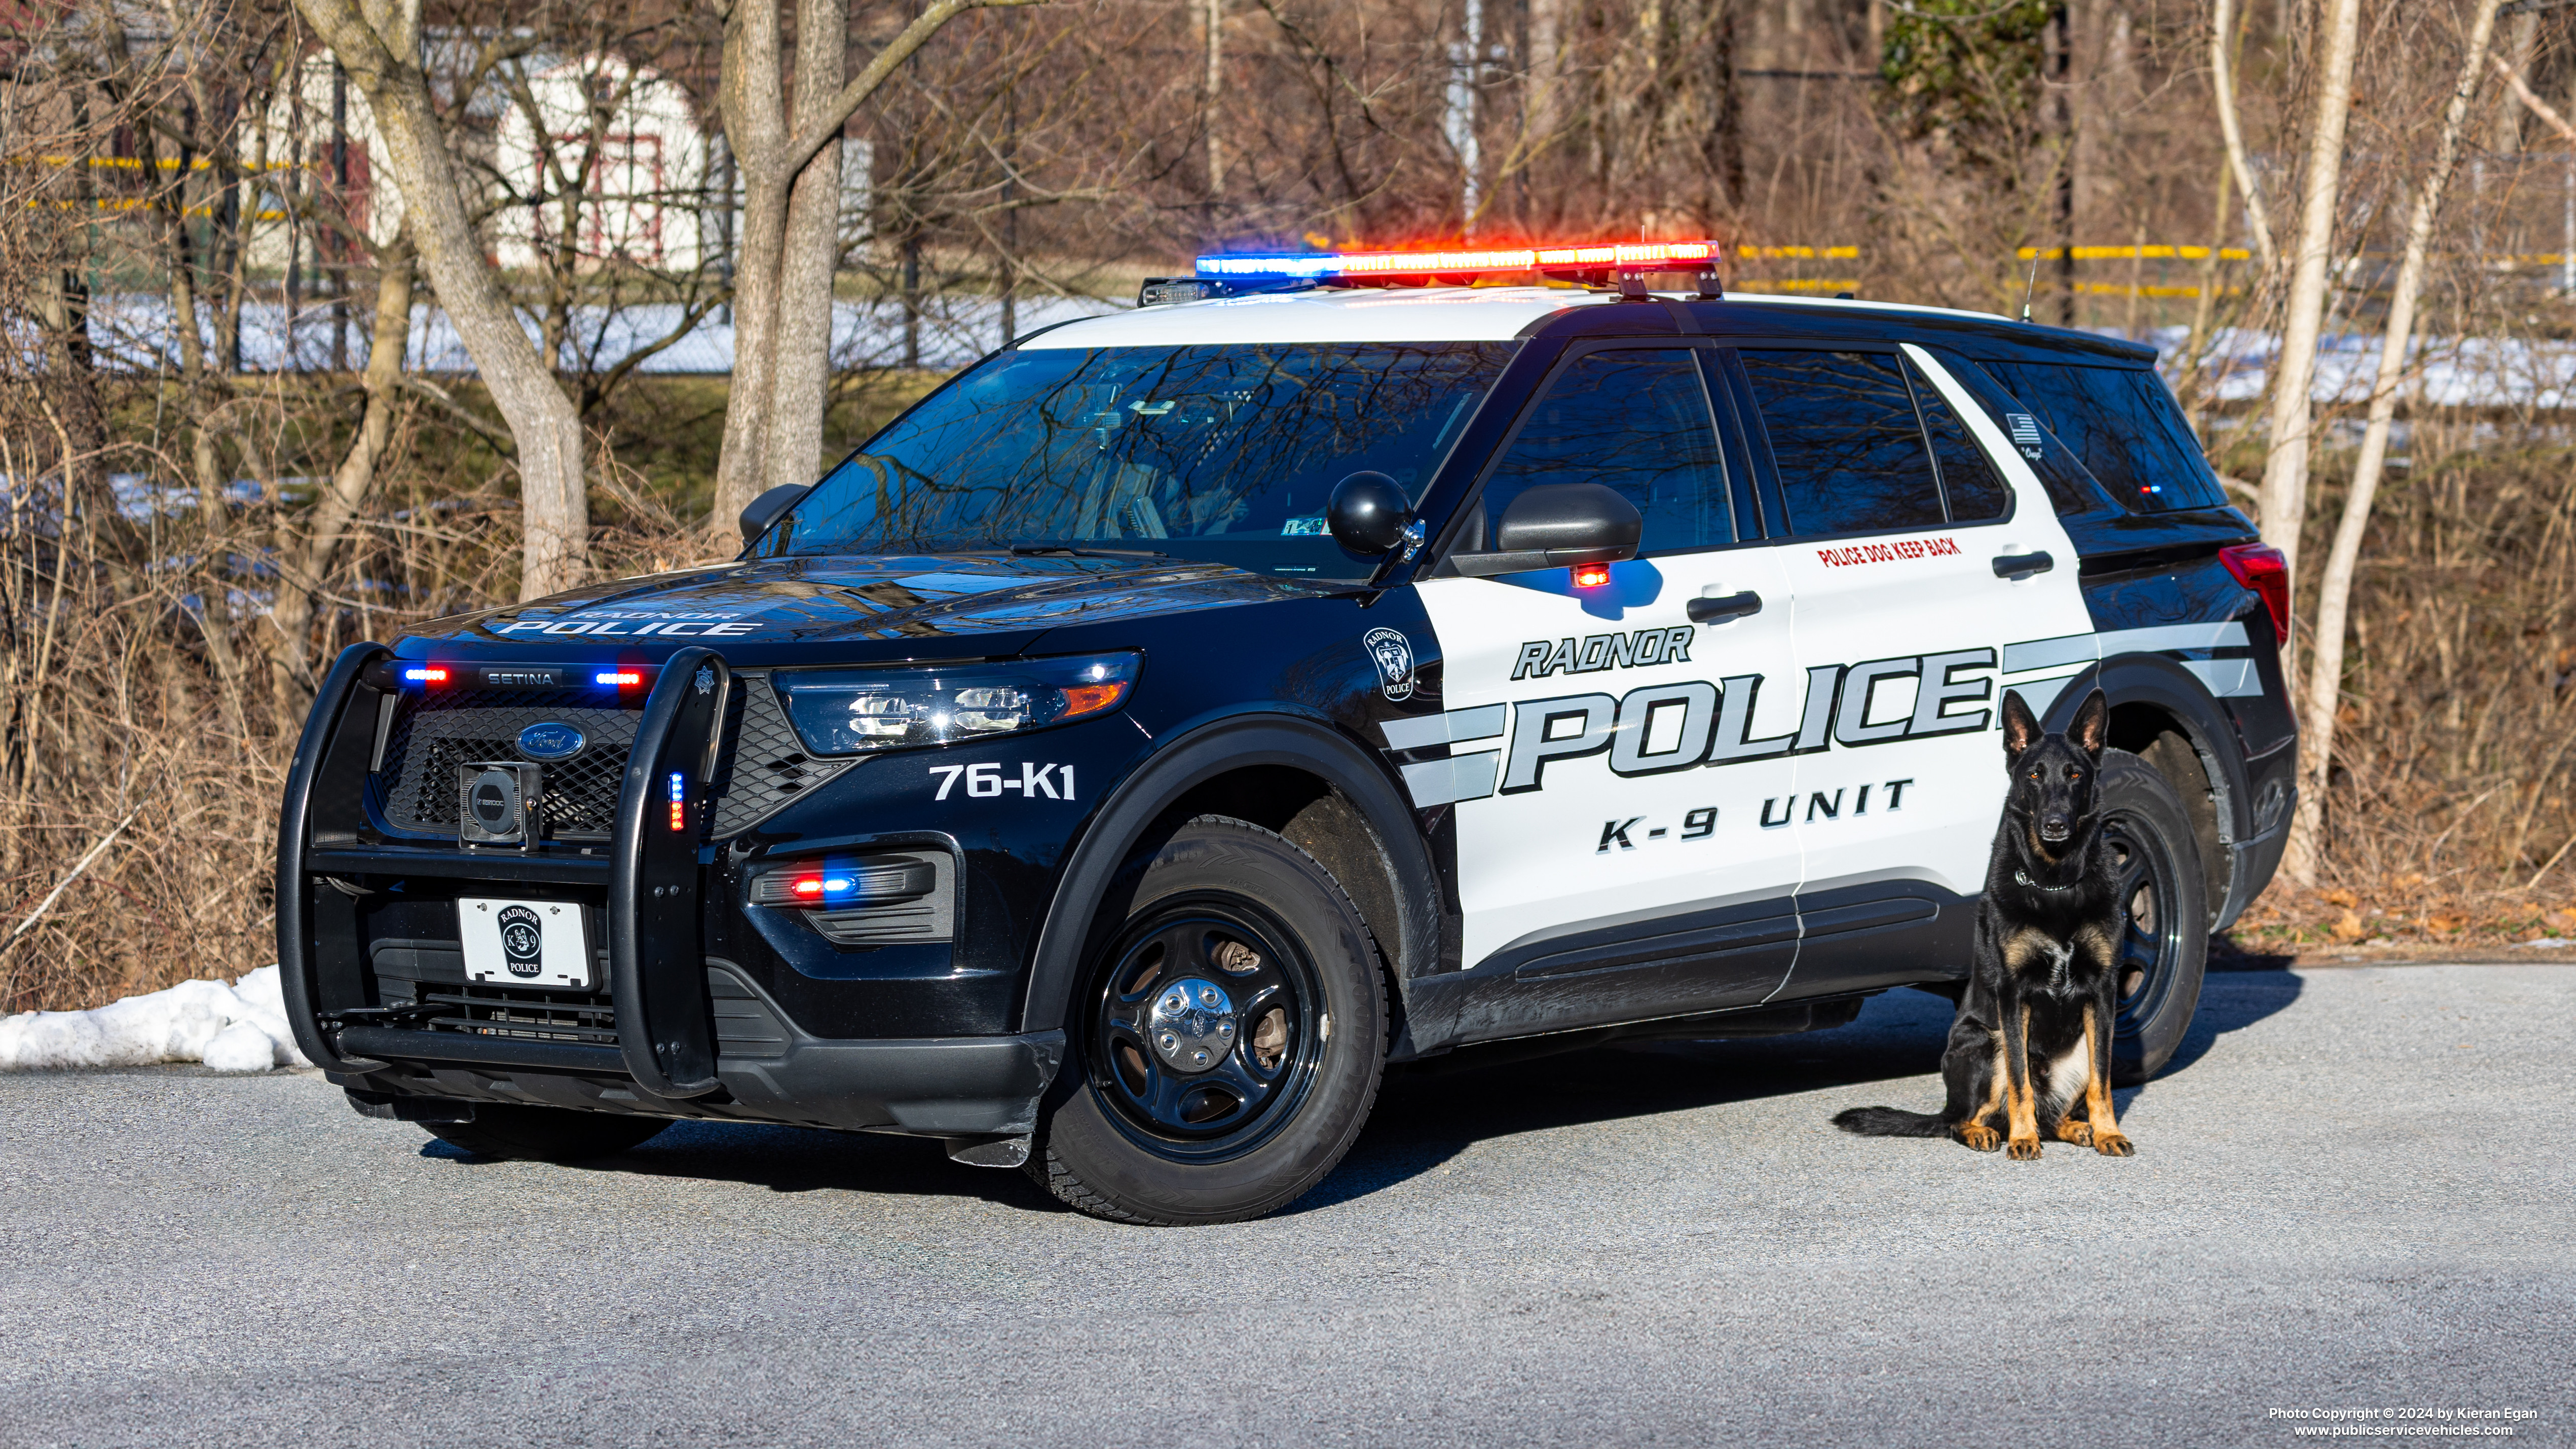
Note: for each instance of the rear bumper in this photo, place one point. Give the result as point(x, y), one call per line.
point(929, 1087)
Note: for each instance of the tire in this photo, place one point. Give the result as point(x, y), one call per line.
point(2163, 893)
point(546, 1134)
point(1228, 1038)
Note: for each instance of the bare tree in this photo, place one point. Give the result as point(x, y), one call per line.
point(2285, 471)
point(2334, 585)
point(782, 304)
point(305, 556)
point(379, 42)
point(2222, 85)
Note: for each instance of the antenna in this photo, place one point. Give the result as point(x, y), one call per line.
point(2030, 286)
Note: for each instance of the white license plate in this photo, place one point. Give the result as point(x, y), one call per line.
point(525, 943)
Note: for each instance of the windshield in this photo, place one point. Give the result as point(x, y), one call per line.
point(1224, 453)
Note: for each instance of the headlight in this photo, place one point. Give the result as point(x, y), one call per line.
point(851, 711)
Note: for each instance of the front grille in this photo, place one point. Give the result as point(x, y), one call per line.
point(584, 1017)
point(762, 767)
point(436, 732)
point(745, 1023)
point(764, 764)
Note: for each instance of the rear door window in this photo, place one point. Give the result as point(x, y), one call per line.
point(1633, 419)
point(2125, 426)
point(1846, 441)
point(1969, 483)
point(2072, 491)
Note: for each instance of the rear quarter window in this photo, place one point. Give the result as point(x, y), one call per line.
point(2126, 428)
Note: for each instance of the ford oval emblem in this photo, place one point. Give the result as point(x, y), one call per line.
point(551, 741)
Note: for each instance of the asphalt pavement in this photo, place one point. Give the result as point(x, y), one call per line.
point(2352, 1193)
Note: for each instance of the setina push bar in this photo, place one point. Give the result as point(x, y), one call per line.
point(656, 960)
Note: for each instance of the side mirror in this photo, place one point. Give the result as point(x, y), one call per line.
point(1555, 525)
point(768, 508)
point(1368, 513)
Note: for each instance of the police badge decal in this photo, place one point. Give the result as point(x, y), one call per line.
point(523, 937)
point(1393, 654)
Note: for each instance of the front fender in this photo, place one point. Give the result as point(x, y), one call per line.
point(1189, 760)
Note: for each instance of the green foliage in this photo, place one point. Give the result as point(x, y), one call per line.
point(1969, 72)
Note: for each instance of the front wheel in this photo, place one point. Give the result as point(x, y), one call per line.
point(1228, 1038)
point(2164, 944)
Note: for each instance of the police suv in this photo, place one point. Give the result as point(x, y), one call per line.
point(1183, 714)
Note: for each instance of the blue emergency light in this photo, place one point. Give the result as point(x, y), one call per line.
point(1470, 261)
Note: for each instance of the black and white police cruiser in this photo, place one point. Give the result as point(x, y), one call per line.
point(1183, 714)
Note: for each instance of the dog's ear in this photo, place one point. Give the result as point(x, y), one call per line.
point(2092, 722)
point(2021, 727)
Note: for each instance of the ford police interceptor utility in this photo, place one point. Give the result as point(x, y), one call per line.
point(1182, 714)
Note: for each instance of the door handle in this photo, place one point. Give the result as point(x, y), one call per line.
point(2019, 566)
point(1719, 611)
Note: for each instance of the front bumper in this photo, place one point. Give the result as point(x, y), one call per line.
point(948, 1087)
point(678, 1032)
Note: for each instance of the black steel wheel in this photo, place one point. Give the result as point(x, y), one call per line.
point(2164, 942)
point(1228, 1038)
point(546, 1134)
point(1206, 1027)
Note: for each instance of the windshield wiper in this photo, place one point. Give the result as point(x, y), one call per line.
point(1031, 550)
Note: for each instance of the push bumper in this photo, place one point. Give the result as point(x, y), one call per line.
point(665, 1060)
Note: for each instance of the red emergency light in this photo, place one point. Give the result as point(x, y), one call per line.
point(1668, 256)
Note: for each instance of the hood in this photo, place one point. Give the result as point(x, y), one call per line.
point(849, 599)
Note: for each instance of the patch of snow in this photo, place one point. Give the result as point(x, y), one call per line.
point(239, 1027)
point(2542, 943)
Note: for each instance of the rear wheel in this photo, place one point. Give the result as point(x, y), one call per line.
point(2162, 890)
point(546, 1134)
point(1228, 1039)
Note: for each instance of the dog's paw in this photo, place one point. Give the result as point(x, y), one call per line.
point(2113, 1144)
point(2022, 1149)
point(1984, 1139)
point(2079, 1133)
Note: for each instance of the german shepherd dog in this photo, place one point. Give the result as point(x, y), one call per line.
point(2032, 1039)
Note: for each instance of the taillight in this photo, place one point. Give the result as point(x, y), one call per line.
point(2260, 567)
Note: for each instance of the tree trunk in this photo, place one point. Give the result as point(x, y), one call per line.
point(305, 563)
point(812, 253)
point(2222, 85)
point(790, 216)
point(1722, 147)
point(380, 49)
point(2062, 70)
point(751, 96)
point(2334, 586)
point(2285, 472)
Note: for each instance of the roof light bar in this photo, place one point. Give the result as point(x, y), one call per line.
point(1355, 266)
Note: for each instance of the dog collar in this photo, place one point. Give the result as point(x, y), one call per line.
point(2034, 885)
